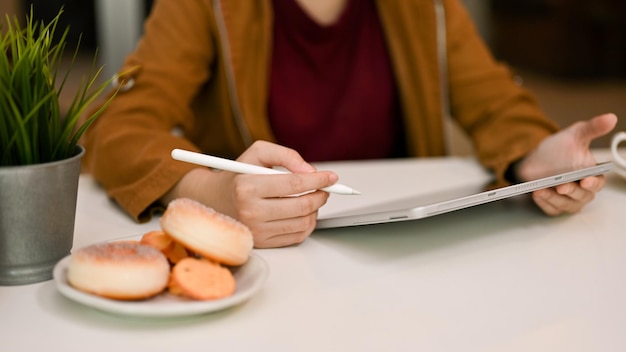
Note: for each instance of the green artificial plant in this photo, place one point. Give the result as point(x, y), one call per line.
point(33, 129)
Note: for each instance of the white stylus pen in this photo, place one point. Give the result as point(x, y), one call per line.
point(243, 168)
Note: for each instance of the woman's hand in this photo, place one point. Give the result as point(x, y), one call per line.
point(564, 151)
point(280, 210)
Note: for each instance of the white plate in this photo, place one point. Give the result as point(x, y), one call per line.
point(249, 277)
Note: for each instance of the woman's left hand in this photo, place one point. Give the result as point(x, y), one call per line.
point(564, 151)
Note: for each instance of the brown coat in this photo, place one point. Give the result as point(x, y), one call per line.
point(202, 70)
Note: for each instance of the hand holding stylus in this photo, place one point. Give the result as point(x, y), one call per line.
point(243, 168)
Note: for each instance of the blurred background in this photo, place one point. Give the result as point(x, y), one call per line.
point(570, 53)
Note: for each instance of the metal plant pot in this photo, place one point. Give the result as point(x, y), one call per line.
point(37, 216)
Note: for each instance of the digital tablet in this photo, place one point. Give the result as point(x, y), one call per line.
point(443, 200)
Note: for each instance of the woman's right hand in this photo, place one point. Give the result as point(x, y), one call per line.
point(280, 210)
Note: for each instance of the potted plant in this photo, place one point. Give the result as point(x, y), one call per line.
point(39, 151)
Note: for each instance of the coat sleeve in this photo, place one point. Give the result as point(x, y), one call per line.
point(128, 148)
point(502, 118)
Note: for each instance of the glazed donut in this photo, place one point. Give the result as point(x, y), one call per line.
point(123, 270)
point(206, 232)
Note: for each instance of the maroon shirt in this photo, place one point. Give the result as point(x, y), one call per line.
point(332, 90)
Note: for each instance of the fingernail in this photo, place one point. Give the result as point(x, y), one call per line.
point(308, 167)
point(592, 183)
point(565, 189)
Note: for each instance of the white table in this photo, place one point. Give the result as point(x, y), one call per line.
point(498, 277)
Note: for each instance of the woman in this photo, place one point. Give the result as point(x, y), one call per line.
point(278, 82)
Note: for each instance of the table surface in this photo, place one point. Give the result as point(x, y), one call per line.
point(497, 277)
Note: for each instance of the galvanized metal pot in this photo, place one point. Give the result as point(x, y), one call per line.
point(37, 216)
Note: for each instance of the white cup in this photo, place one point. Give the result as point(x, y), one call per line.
point(620, 162)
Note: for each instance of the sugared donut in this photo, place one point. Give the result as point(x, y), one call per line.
point(122, 270)
point(201, 279)
point(206, 232)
